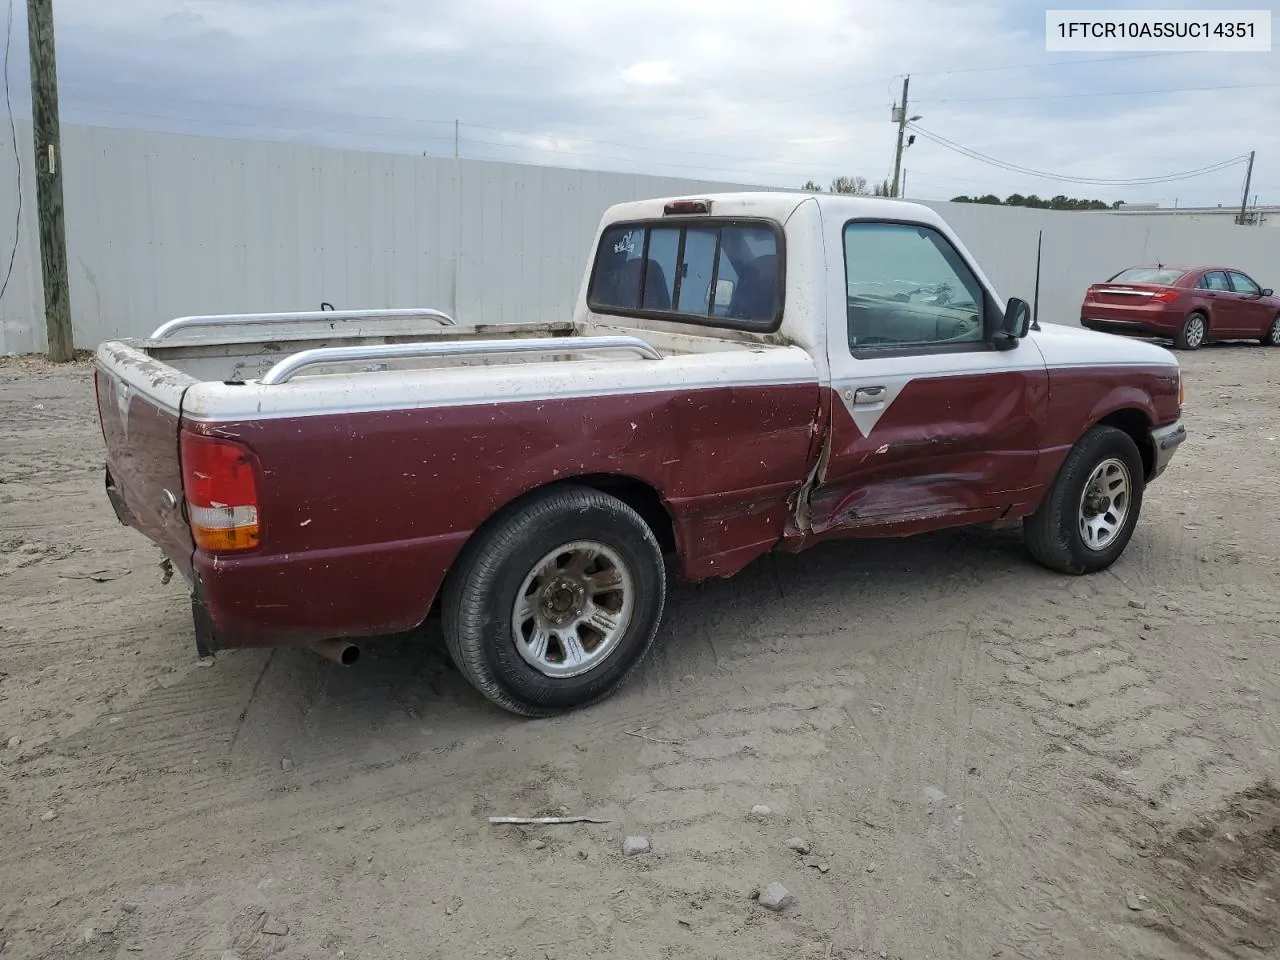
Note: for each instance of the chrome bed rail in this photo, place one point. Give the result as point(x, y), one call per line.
point(163, 331)
point(287, 368)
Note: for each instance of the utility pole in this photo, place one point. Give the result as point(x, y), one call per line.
point(900, 112)
point(1244, 199)
point(48, 156)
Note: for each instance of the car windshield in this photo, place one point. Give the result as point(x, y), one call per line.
point(1160, 275)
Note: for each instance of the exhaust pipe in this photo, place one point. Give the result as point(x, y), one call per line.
point(341, 652)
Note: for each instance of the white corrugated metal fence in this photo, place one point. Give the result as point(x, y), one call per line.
point(161, 225)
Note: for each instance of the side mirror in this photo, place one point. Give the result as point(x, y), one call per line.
point(1017, 319)
point(1268, 292)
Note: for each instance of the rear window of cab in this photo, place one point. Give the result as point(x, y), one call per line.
point(715, 272)
point(1159, 275)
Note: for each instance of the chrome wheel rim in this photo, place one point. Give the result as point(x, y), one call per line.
point(1195, 331)
point(573, 609)
point(1104, 505)
point(1275, 332)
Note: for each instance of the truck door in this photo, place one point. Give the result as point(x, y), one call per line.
point(930, 425)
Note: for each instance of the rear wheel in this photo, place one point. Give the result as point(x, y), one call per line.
point(1272, 337)
point(1092, 507)
point(555, 602)
point(1194, 332)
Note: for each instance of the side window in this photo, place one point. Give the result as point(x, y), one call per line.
point(1214, 280)
point(908, 287)
point(616, 281)
point(1244, 285)
point(700, 248)
point(749, 268)
point(659, 285)
point(719, 273)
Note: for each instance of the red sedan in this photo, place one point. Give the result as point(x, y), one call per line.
point(1190, 306)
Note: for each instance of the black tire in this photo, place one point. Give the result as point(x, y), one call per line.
point(480, 595)
point(1272, 337)
point(1053, 534)
point(1187, 338)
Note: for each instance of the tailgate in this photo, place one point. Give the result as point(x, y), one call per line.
point(139, 406)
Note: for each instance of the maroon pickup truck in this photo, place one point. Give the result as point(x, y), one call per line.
point(744, 373)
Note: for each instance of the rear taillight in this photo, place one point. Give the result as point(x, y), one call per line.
point(1091, 292)
point(222, 493)
point(1166, 296)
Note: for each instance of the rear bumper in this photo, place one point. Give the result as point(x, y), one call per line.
point(1139, 328)
point(298, 599)
point(1165, 442)
point(1158, 321)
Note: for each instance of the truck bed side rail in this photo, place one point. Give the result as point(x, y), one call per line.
point(288, 367)
point(247, 319)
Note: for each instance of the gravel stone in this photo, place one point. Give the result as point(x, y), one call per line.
point(776, 897)
point(633, 846)
point(798, 844)
point(274, 928)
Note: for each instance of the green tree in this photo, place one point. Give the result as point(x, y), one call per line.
point(1060, 202)
point(850, 185)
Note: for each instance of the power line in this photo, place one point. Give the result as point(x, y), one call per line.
point(415, 138)
point(17, 157)
point(1053, 63)
point(635, 146)
point(1104, 93)
point(1097, 181)
point(510, 145)
point(658, 163)
point(945, 73)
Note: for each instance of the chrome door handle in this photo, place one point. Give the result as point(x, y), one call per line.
point(868, 395)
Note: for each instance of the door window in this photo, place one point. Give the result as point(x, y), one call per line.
point(908, 287)
point(1243, 284)
point(1214, 280)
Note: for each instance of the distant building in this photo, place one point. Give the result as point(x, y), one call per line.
point(1265, 216)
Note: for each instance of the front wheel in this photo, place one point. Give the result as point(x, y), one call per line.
point(1092, 506)
point(555, 602)
point(1272, 337)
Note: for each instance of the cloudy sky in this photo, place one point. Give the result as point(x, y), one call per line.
point(741, 90)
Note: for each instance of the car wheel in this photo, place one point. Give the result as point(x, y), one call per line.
point(1272, 336)
point(1194, 332)
point(1091, 508)
point(555, 602)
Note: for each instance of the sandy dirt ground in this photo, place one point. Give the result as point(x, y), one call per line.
point(984, 759)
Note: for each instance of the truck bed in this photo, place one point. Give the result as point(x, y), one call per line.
point(240, 355)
